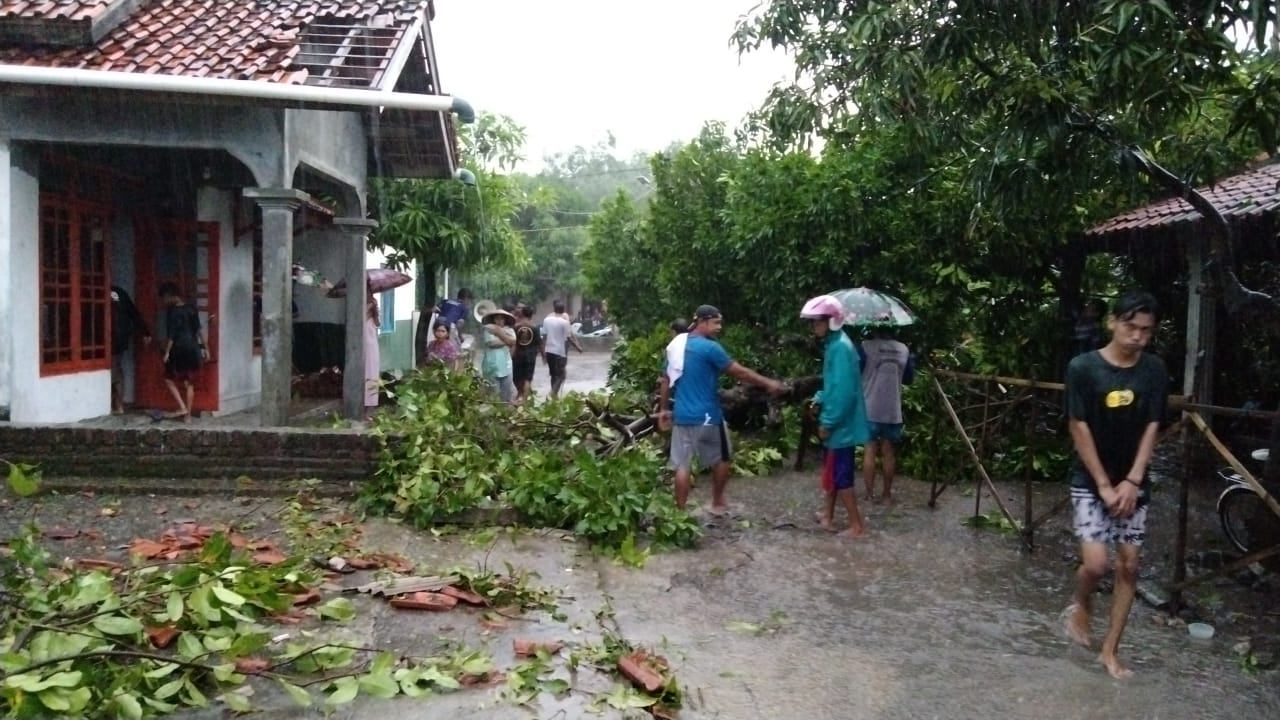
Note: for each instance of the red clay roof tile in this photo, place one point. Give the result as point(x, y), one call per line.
point(238, 39)
point(1247, 194)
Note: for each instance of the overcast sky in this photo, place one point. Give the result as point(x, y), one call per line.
point(570, 71)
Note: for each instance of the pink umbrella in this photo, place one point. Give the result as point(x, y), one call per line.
point(380, 280)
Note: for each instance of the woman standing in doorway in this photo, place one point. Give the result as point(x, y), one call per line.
point(184, 349)
point(372, 354)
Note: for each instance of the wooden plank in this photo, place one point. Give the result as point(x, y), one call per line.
point(1016, 382)
point(1224, 411)
point(1195, 313)
point(1234, 463)
point(1230, 567)
point(973, 455)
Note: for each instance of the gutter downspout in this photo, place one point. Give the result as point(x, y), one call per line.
point(116, 80)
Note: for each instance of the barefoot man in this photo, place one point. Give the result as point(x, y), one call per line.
point(699, 421)
point(1115, 400)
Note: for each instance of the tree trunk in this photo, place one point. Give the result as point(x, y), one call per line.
point(426, 300)
point(748, 405)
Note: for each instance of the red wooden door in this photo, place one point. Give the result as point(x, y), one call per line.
point(184, 253)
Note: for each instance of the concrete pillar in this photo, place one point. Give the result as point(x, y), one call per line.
point(8, 206)
point(278, 206)
point(355, 233)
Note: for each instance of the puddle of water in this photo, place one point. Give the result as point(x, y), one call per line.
point(925, 618)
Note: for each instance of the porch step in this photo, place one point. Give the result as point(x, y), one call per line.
point(265, 461)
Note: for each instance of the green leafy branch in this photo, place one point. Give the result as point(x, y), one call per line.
point(445, 452)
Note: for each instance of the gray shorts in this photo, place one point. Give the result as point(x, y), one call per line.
point(708, 443)
point(1094, 524)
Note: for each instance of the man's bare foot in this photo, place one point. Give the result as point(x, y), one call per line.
point(1077, 626)
point(186, 418)
point(718, 510)
point(1114, 667)
point(823, 521)
point(869, 496)
point(854, 533)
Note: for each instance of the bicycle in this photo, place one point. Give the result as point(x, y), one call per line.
point(1246, 520)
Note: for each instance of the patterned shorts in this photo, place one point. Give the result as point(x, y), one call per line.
point(1094, 523)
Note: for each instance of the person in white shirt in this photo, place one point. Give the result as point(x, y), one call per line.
point(557, 335)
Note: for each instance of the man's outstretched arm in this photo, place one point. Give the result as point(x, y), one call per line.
point(745, 374)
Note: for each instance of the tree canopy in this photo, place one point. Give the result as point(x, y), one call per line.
point(451, 224)
point(1028, 97)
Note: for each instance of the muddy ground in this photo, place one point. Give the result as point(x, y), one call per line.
point(772, 618)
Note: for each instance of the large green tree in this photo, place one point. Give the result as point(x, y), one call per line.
point(438, 224)
point(555, 207)
point(1029, 97)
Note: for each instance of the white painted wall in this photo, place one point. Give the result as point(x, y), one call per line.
point(406, 295)
point(6, 268)
point(56, 398)
point(239, 369)
point(320, 250)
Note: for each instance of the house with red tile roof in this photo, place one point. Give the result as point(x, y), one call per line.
point(213, 144)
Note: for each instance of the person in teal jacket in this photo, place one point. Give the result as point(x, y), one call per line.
point(842, 419)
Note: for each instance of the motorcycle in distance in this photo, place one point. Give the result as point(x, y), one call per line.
point(1246, 519)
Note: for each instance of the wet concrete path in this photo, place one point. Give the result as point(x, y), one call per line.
point(772, 618)
point(924, 618)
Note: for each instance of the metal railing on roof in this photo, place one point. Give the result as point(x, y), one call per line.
point(348, 55)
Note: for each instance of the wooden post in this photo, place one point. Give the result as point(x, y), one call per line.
point(1028, 523)
point(982, 442)
point(1180, 540)
point(934, 491)
point(1192, 385)
point(1235, 464)
point(973, 455)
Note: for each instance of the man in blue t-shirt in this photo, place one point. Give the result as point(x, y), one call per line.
point(699, 430)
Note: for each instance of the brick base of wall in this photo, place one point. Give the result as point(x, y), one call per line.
point(180, 460)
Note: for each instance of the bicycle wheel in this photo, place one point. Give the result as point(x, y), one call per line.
point(1241, 511)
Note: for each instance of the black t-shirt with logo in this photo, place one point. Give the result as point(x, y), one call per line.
point(526, 341)
point(1117, 404)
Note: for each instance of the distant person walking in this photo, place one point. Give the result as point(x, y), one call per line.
point(126, 321)
point(886, 367)
point(524, 356)
point(557, 336)
point(1115, 400)
point(842, 419)
point(184, 350)
point(697, 424)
